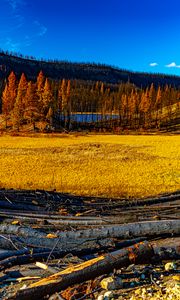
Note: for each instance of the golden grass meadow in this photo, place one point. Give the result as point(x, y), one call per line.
point(92, 165)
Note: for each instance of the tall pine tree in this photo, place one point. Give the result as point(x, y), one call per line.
point(32, 110)
point(19, 106)
point(47, 97)
point(9, 96)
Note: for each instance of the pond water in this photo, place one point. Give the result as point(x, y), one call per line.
point(93, 117)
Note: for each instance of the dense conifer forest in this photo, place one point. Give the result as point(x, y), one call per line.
point(64, 95)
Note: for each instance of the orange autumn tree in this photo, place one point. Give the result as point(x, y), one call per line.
point(144, 106)
point(19, 105)
point(5, 104)
point(40, 88)
point(32, 111)
point(158, 106)
point(65, 101)
point(132, 105)
point(9, 96)
point(47, 97)
point(68, 100)
point(62, 96)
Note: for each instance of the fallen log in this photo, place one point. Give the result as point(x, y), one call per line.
point(27, 259)
point(13, 253)
point(129, 230)
point(49, 215)
point(10, 205)
point(60, 221)
point(85, 271)
point(11, 243)
point(161, 249)
point(21, 257)
point(65, 244)
point(21, 231)
point(14, 258)
point(73, 239)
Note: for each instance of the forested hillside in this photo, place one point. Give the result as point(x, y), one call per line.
point(55, 69)
point(84, 104)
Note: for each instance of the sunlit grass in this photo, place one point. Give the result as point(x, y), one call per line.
point(116, 166)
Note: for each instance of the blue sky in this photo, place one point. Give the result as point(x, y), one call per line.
point(142, 35)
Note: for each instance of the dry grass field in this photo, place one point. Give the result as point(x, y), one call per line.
point(103, 165)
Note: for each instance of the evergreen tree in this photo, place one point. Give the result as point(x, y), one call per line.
point(19, 105)
point(49, 116)
point(32, 111)
point(12, 86)
point(158, 105)
point(47, 97)
point(40, 88)
point(5, 104)
point(68, 101)
point(9, 96)
point(124, 101)
point(62, 96)
point(132, 105)
point(145, 106)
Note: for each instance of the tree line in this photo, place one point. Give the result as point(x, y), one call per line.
point(56, 70)
point(55, 101)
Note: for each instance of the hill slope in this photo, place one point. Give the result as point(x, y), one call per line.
point(85, 71)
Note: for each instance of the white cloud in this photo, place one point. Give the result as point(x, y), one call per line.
point(33, 29)
point(154, 64)
point(172, 65)
point(41, 28)
point(11, 45)
point(14, 3)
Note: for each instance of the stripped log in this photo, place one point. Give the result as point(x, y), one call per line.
point(49, 215)
point(16, 243)
point(72, 239)
point(65, 244)
point(21, 231)
point(61, 221)
point(129, 230)
point(46, 244)
point(85, 271)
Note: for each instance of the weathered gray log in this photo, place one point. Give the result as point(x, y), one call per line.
point(15, 243)
point(49, 215)
point(12, 253)
point(73, 239)
point(84, 271)
point(26, 259)
point(20, 231)
point(129, 230)
point(46, 244)
point(65, 244)
point(61, 221)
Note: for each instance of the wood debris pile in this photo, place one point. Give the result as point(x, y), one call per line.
point(59, 246)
